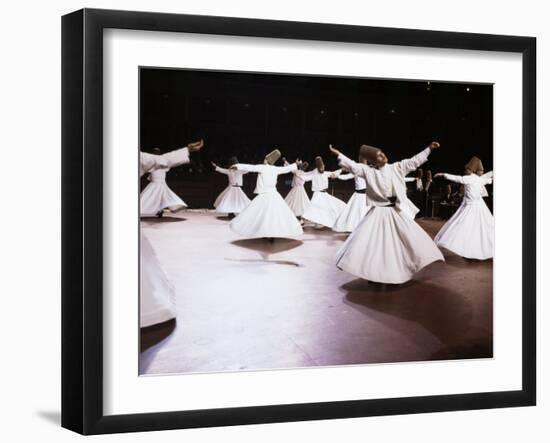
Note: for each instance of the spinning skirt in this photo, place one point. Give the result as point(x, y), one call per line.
point(387, 247)
point(324, 209)
point(267, 216)
point(470, 232)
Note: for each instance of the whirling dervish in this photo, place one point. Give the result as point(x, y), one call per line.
point(157, 196)
point(297, 198)
point(388, 246)
point(470, 232)
point(356, 207)
point(157, 297)
point(323, 209)
point(232, 199)
point(267, 216)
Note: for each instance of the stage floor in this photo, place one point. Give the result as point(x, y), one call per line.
point(252, 304)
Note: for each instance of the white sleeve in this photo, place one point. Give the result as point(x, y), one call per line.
point(222, 170)
point(286, 169)
point(286, 163)
point(347, 176)
point(150, 162)
point(176, 157)
point(248, 168)
point(454, 178)
point(350, 165)
point(333, 174)
point(409, 179)
point(487, 178)
point(410, 164)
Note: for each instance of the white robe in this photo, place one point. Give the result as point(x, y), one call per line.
point(157, 297)
point(297, 198)
point(470, 232)
point(267, 216)
point(388, 246)
point(158, 196)
point(232, 199)
point(356, 207)
point(323, 209)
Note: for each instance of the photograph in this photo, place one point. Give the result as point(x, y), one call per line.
point(292, 221)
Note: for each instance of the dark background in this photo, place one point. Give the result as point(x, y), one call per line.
point(248, 115)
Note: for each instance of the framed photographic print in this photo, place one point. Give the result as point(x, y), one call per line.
point(269, 221)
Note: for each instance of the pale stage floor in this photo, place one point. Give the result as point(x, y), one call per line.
point(252, 304)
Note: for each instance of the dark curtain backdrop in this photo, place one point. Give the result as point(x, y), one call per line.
point(248, 115)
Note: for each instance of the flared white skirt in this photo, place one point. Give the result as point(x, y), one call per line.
point(353, 213)
point(232, 200)
point(267, 216)
point(470, 232)
point(157, 297)
point(158, 196)
point(297, 200)
point(324, 209)
point(387, 247)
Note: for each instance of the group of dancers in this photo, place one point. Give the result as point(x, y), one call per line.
point(385, 244)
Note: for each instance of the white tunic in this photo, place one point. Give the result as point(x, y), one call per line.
point(157, 297)
point(234, 176)
point(387, 181)
point(387, 246)
point(474, 185)
point(319, 180)
point(300, 178)
point(267, 175)
point(470, 231)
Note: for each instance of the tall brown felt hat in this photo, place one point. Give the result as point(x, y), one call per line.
point(319, 163)
point(369, 153)
point(475, 165)
point(273, 156)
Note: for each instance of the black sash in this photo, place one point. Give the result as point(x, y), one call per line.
point(361, 191)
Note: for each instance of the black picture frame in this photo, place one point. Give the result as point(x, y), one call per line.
point(82, 219)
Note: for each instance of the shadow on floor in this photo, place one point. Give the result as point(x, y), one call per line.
point(322, 231)
point(53, 417)
point(153, 335)
point(265, 246)
point(446, 314)
point(265, 261)
point(480, 347)
point(164, 219)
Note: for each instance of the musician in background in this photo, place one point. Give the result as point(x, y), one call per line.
point(450, 201)
point(428, 194)
point(418, 196)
